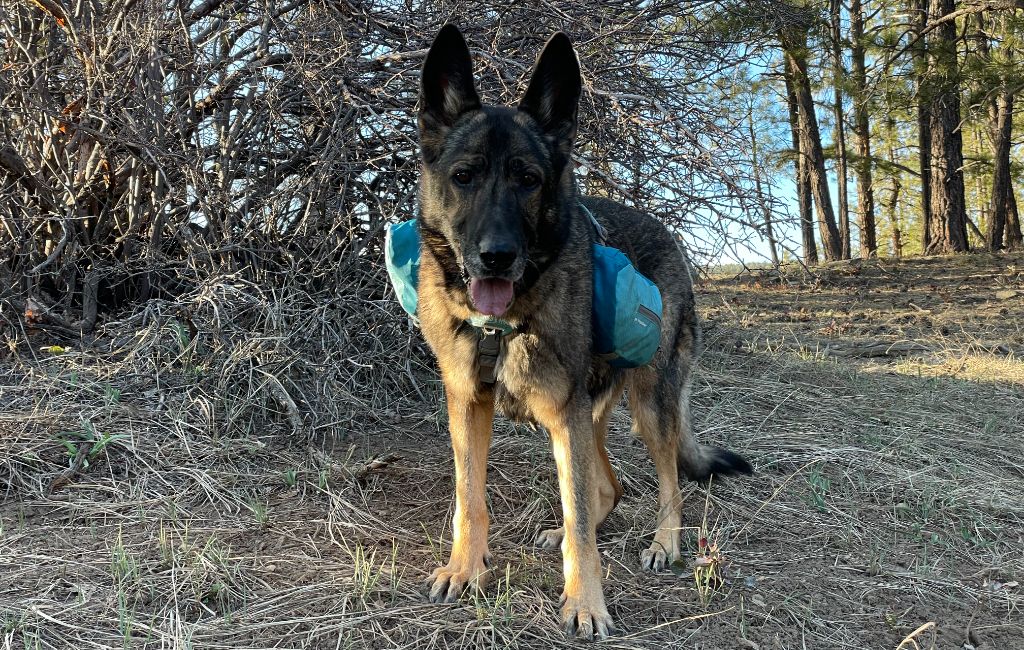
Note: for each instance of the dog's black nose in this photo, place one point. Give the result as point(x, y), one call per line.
point(497, 260)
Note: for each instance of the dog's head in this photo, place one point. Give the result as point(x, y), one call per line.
point(495, 180)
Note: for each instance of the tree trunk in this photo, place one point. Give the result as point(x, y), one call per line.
point(803, 183)
point(1002, 130)
point(894, 199)
point(982, 198)
point(1014, 238)
point(765, 209)
point(948, 219)
point(894, 222)
point(924, 135)
point(862, 129)
point(839, 132)
point(794, 43)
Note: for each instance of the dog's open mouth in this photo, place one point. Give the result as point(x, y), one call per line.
point(491, 296)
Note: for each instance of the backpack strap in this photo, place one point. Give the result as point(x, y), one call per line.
point(602, 234)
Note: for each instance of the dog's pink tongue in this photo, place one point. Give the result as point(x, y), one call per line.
point(491, 296)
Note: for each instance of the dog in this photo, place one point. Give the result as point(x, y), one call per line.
point(505, 235)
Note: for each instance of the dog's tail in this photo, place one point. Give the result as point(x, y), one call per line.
point(701, 461)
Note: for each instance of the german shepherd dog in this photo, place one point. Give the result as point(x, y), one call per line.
point(503, 235)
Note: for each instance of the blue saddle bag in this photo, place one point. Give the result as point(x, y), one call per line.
point(626, 310)
point(626, 305)
point(402, 256)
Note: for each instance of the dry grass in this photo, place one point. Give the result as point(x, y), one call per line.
point(258, 471)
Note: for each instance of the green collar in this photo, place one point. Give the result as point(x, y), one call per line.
point(490, 323)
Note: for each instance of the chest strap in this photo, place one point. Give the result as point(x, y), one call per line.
point(490, 347)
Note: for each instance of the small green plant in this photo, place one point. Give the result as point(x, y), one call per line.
point(111, 395)
point(992, 426)
point(125, 571)
point(365, 573)
point(260, 510)
point(972, 536)
point(166, 546)
point(124, 568)
point(291, 477)
point(125, 619)
point(86, 444)
point(498, 607)
point(31, 639)
point(435, 545)
point(710, 561)
point(221, 573)
point(873, 439)
point(707, 568)
point(820, 486)
point(924, 562)
point(188, 352)
point(182, 336)
point(396, 576)
point(218, 593)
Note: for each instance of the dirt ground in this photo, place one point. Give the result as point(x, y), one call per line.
point(881, 403)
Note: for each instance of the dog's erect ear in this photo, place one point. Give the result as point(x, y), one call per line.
point(554, 92)
point(446, 86)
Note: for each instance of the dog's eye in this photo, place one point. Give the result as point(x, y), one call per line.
point(529, 181)
point(463, 177)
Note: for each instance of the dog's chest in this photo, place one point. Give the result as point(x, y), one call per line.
point(532, 375)
point(529, 372)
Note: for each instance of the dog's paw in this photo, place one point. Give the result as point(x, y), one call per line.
point(586, 618)
point(447, 583)
point(653, 559)
point(661, 554)
point(550, 539)
point(657, 558)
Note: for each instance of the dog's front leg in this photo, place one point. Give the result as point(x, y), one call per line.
point(470, 417)
point(572, 437)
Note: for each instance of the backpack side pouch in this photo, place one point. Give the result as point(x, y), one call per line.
point(627, 310)
point(402, 258)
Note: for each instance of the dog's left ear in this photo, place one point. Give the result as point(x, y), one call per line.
point(554, 93)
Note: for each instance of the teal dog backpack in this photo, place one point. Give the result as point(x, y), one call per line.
point(402, 256)
point(626, 306)
point(626, 310)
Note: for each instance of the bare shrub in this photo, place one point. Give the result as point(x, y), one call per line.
point(153, 144)
point(230, 166)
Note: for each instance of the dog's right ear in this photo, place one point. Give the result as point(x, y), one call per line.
point(446, 88)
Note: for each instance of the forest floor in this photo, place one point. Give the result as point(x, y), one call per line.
point(881, 404)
